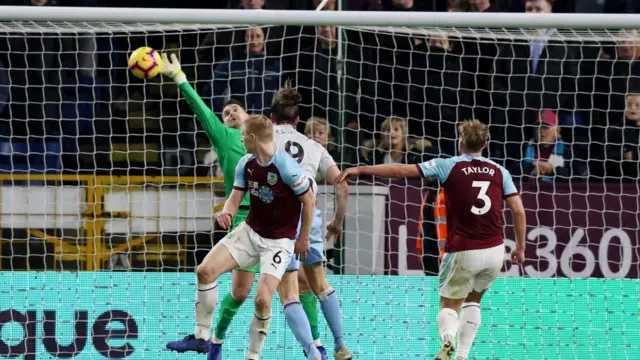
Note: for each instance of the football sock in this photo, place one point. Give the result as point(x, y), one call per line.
point(206, 299)
point(228, 309)
point(257, 334)
point(310, 305)
point(447, 324)
point(470, 318)
point(331, 310)
point(299, 325)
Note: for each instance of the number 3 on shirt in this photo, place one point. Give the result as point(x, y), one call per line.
point(482, 195)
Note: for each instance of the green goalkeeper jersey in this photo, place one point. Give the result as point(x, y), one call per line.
point(226, 142)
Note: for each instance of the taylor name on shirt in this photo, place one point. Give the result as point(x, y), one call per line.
point(478, 170)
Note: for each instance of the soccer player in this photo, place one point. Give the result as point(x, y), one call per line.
point(278, 188)
point(226, 141)
point(474, 250)
point(313, 157)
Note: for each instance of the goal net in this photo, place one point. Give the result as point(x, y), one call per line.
point(110, 188)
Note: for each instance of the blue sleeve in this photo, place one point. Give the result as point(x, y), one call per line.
point(239, 183)
point(508, 187)
point(438, 168)
point(529, 155)
point(292, 174)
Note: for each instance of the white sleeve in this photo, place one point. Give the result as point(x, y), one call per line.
point(326, 161)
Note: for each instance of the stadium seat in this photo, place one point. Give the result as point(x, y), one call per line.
point(36, 156)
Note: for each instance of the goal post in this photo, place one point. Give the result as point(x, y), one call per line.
point(109, 187)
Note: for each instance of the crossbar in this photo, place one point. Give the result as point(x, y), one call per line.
point(339, 18)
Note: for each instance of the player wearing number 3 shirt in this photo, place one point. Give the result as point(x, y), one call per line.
point(474, 252)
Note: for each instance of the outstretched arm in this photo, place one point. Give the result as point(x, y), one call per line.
point(213, 127)
point(334, 227)
point(386, 170)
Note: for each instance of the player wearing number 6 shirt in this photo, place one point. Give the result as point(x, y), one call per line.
point(309, 280)
point(474, 250)
point(279, 199)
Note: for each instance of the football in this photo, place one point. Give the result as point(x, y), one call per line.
point(144, 62)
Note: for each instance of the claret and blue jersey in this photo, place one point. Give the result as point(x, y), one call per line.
point(274, 188)
point(475, 188)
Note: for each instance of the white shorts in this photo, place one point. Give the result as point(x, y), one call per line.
point(464, 271)
point(248, 249)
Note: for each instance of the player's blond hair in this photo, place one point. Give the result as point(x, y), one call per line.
point(260, 126)
point(316, 120)
point(474, 135)
point(385, 142)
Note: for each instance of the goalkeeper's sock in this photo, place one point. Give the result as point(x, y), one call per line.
point(299, 325)
point(470, 318)
point(447, 324)
point(331, 310)
point(257, 334)
point(310, 305)
point(228, 309)
point(206, 300)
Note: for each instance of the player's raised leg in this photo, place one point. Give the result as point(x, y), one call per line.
point(470, 319)
point(294, 313)
point(309, 303)
point(267, 285)
point(218, 261)
point(275, 256)
point(329, 304)
point(241, 284)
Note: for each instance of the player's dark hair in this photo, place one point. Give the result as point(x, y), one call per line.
point(233, 102)
point(286, 107)
point(474, 135)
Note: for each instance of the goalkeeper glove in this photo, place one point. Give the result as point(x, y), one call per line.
point(172, 68)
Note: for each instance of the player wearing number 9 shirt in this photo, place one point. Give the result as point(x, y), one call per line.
point(307, 276)
point(474, 252)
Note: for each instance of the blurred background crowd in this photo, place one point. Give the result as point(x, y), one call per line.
point(558, 110)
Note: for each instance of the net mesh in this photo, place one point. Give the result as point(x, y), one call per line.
point(109, 186)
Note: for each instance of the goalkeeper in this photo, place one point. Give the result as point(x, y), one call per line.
point(226, 141)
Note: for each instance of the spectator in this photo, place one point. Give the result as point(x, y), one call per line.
point(478, 56)
point(537, 74)
point(252, 79)
point(547, 156)
point(364, 5)
point(252, 4)
point(623, 141)
point(227, 42)
point(439, 92)
point(615, 76)
point(318, 129)
point(481, 6)
point(396, 147)
point(315, 69)
point(458, 5)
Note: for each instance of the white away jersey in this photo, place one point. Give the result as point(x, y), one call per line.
point(312, 156)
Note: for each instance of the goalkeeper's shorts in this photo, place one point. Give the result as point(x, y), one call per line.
point(237, 220)
point(316, 253)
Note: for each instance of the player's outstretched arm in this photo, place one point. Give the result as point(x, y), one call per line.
point(308, 201)
point(213, 127)
point(386, 170)
point(334, 227)
point(520, 227)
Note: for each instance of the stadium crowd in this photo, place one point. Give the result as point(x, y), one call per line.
point(558, 110)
